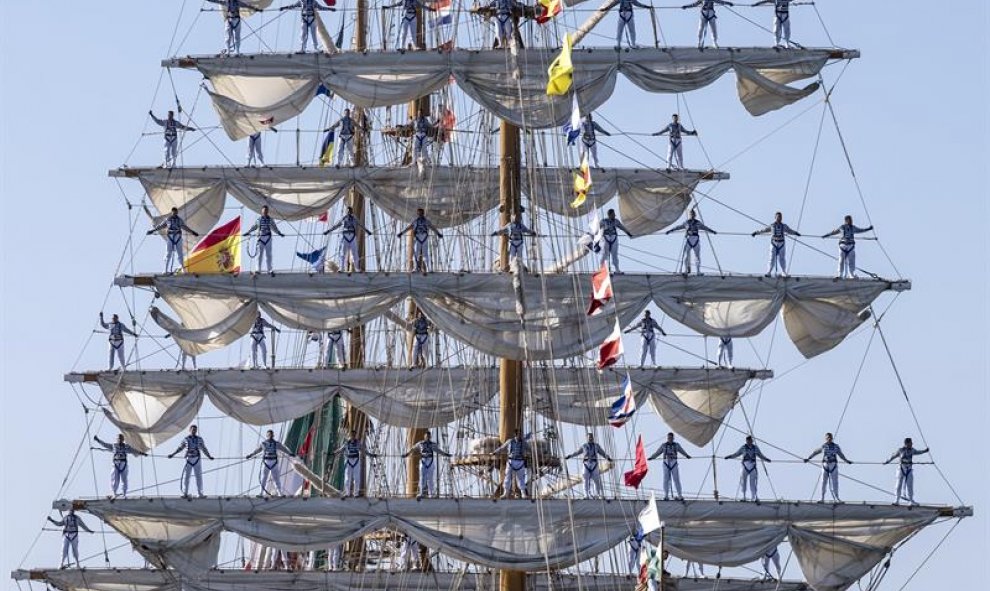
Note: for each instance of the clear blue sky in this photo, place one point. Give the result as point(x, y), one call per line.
point(76, 82)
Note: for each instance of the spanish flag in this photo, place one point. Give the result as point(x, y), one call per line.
point(219, 251)
point(561, 70)
point(548, 10)
point(582, 183)
point(326, 150)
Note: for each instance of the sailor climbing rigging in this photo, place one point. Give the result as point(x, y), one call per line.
point(349, 224)
point(847, 247)
point(692, 241)
point(675, 151)
point(265, 227)
point(626, 21)
point(173, 237)
point(427, 465)
point(117, 332)
point(421, 228)
point(778, 230)
point(258, 341)
point(831, 453)
point(172, 128)
point(610, 243)
point(195, 448)
point(905, 471)
point(408, 24)
point(670, 450)
point(646, 328)
point(517, 450)
point(118, 476)
point(590, 452)
point(515, 231)
point(308, 10)
point(352, 449)
point(708, 18)
point(749, 453)
point(269, 448)
point(70, 525)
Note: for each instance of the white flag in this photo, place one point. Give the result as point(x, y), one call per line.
point(649, 517)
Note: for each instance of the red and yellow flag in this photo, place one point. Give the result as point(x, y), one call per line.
point(548, 10)
point(219, 251)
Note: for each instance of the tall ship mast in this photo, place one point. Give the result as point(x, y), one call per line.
point(450, 328)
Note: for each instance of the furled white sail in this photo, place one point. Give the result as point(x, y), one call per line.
point(649, 200)
point(133, 579)
point(520, 535)
point(150, 407)
point(250, 89)
point(481, 309)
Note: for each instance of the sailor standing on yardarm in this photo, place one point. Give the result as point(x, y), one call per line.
point(831, 453)
point(905, 470)
point(258, 341)
point(265, 226)
point(120, 449)
point(408, 24)
point(781, 21)
point(646, 328)
point(269, 449)
point(675, 152)
point(427, 465)
point(778, 230)
point(421, 228)
point(589, 143)
point(307, 9)
point(589, 452)
point(232, 19)
point(725, 351)
point(345, 138)
point(749, 453)
point(70, 525)
point(708, 18)
point(117, 331)
point(349, 246)
point(421, 341)
point(254, 155)
point(610, 245)
point(352, 449)
point(669, 451)
point(515, 466)
point(195, 447)
point(516, 231)
point(173, 237)
point(692, 241)
point(626, 21)
point(847, 247)
point(172, 128)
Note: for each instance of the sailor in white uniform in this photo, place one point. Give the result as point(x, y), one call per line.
point(646, 328)
point(670, 451)
point(626, 21)
point(120, 449)
point(847, 246)
point(423, 133)
point(345, 137)
point(308, 10)
point(258, 341)
point(427, 465)
point(610, 245)
point(771, 555)
point(352, 449)
point(905, 470)
point(269, 449)
point(172, 128)
point(335, 348)
point(635, 548)
point(195, 448)
point(173, 238)
point(185, 357)
point(515, 467)
point(265, 227)
point(70, 525)
point(504, 22)
point(421, 341)
point(725, 352)
point(349, 224)
point(749, 453)
point(778, 230)
point(117, 332)
point(409, 557)
point(232, 20)
point(407, 26)
point(781, 21)
point(675, 151)
point(515, 230)
point(692, 241)
point(589, 143)
point(254, 155)
point(589, 452)
point(708, 18)
point(697, 567)
point(831, 453)
point(421, 228)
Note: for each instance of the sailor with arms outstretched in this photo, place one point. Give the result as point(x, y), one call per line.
point(516, 231)
point(517, 450)
point(778, 230)
point(258, 341)
point(427, 450)
point(646, 328)
point(692, 241)
point(195, 448)
point(831, 453)
point(905, 470)
point(670, 450)
point(307, 9)
point(421, 228)
point(350, 224)
point(172, 128)
point(269, 448)
point(173, 235)
point(120, 450)
point(675, 151)
point(626, 21)
point(265, 226)
point(70, 525)
point(749, 453)
point(847, 246)
point(352, 449)
point(708, 18)
point(117, 332)
point(589, 452)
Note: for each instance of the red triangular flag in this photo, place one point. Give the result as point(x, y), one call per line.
point(325, 216)
point(601, 290)
point(638, 473)
point(611, 349)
